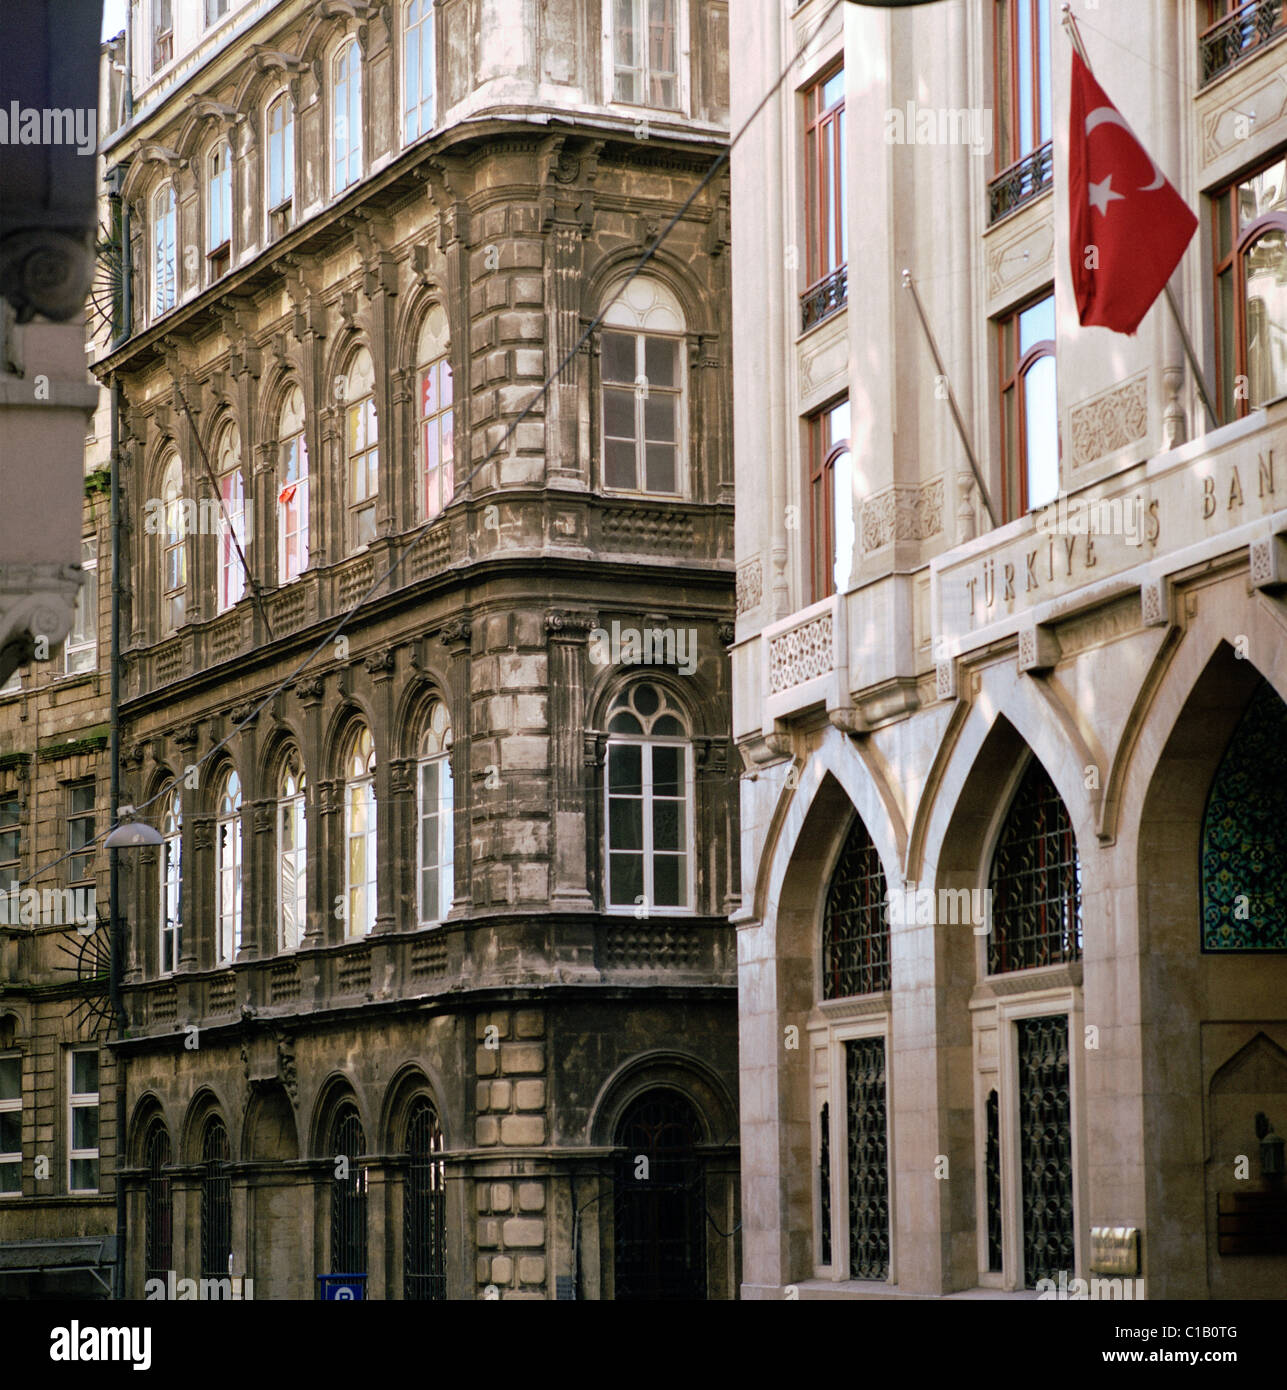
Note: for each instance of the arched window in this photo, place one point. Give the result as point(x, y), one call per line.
point(1029, 408)
point(292, 854)
point(174, 548)
point(362, 449)
point(216, 1200)
point(643, 369)
point(359, 834)
point(348, 1192)
point(1244, 834)
point(436, 416)
point(1035, 880)
point(346, 116)
point(158, 1203)
point(649, 810)
point(219, 209)
point(279, 125)
point(164, 266)
point(424, 1207)
point(831, 500)
point(292, 496)
point(437, 823)
point(855, 920)
point(645, 53)
point(232, 518)
point(171, 905)
point(417, 69)
point(228, 869)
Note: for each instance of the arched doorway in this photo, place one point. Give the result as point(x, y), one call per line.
point(424, 1207)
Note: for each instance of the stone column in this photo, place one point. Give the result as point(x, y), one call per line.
point(566, 635)
point(380, 667)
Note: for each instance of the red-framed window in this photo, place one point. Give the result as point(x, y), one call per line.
point(831, 503)
point(824, 178)
point(1029, 407)
point(1022, 110)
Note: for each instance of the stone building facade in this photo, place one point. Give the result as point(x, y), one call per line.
point(431, 979)
point(1012, 951)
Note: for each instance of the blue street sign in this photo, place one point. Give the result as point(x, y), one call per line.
point(342, 1288)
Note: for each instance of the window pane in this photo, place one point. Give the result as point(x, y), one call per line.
point(661, 359)
point(1023, 46)
point(619, 463)
point(668, 875)
point(833, 89)
point(1265, 271)
point(667, 771)
point(618, 357)
point(8, 846)
point(1041, 427)
point(659, 417)
point(843, 529)
point(84, 1174)
point(668, 825)
point(661, 468)
point(85, 1073)
point(1228, 357)
point(10, 1078)
point(1037, 324)
point(618, 413)
point(625, 878)
point(625, 823)
point(85, 1127)
point(10, 1131)
point(625, 769)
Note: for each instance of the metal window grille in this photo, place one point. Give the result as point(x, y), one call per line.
point(424, 1211)
point(1035, 881)
point(824, 1181)
point(822, 300)
point(868, 1159)
point(216, 1200)
point(1021, 182)
point(1239, 35)
point(158, 1207)
point(1045, 1148)
point(855, 925)
point(993, 1172)
point(348, 1193)
point(660, 1201)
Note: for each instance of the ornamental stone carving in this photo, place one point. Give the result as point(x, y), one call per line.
point(750, 586)
point(802, 653)
point(1110, 421)
point(902, 513)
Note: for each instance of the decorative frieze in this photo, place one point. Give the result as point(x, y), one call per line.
point(802, 653)
point(902, 513)
point(750, 586)
point(1110, 421)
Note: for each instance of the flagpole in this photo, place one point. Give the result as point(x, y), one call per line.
point(1069, 23)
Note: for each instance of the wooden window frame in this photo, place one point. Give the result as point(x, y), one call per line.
point(823, 456)
point(1012, 376)
point(823, 141)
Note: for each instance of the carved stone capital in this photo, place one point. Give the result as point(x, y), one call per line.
point(457, 633)
point(570, 625)
point(308, 689)
point(380, 664)
point(36, 600)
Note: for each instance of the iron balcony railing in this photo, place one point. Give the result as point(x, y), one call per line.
point(1022, 181)
point(824, 298)
point(1239, 35)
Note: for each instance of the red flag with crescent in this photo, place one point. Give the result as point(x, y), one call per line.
point(1129, 226)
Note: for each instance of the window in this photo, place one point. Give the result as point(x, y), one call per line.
point(831, 500)
point(216, 1200)
point(232, 519)
point(362, 445)
point(825, 204)
point(171, 916)
point(292, 498)
point(174, 549)
point(424, 1207)
point(855, 921)
point(346, 116)
point(1029, 409)
point(82, 1120)
point(348, 1192)
point(10, 838)
point(417, 69)
point(215, 11)
point(437, 416)
point(281, 164)
point(164, 267)
point(359, 834)
point(1250, 240)
point(228, 869)
point(1236, 29)
point(1035, 881)
point(10, 1123)
point(644, 53)
point(642, 357)
point(158, 1234)
point(80, 832)
point(437, 824)
point(81, 650)
point(1024, 161)
point(162, 34)
point(649, 789)
point(219, 209)
point(292, 854)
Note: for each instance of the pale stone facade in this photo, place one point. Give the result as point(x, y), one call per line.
point(954, 649)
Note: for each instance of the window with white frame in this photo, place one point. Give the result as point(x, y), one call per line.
point(359, 834)
point(279, 126)
point(174, 548)
point(292, 496)
point(292, 853)
point(171, 894)
point(437, 823)
point(436, 414)
point(645, 52)
point(10, 1123)
point(10, 839)
point(219, 209)
point(649, 796)
point(346, 116)
point(362, 450)
point(80, 832)
point(417, 69)
point(232, 518)
point(80, 652)
point(228, 869)
point(82, 1120)
point(215, 11)
point(162, 33)
point(165, 282)
point(642, 373)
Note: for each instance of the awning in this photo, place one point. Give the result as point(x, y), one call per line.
point(92, 1255)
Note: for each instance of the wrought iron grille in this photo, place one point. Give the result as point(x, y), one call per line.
point(660, 1201)
point(1045, 1148)
point(1022, 181)
point(868, 1159)
point(822, 300)
point(824, 1182)
point(855, 922)
point(1035, 881)
point(424, 1207)
point(216, 1200)
point(158, 1207)
point(993, 1178)
point(1239, 35)
point(348, 1193)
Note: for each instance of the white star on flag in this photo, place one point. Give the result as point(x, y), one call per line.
point(1101, 194)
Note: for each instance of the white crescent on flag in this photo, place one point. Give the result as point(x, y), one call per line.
point(1105, 115)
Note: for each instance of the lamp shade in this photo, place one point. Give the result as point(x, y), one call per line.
point(130, 833)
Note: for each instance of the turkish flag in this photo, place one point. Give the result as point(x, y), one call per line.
point(1129, 226)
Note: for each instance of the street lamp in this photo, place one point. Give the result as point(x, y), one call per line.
point(131, 833)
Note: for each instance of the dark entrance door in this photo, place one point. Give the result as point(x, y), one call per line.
point(1045, 1148)
point(660, 1206)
